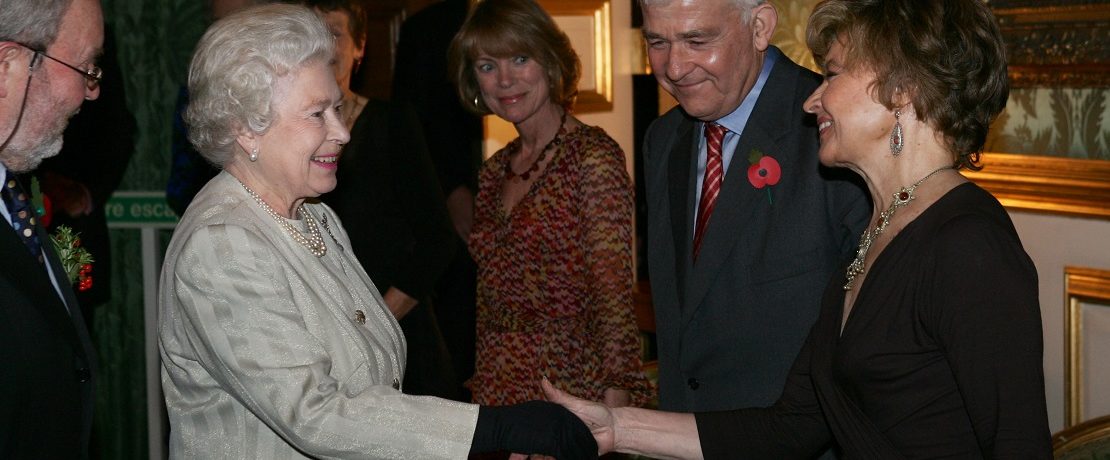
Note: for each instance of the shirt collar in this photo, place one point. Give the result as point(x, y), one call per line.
point(736, 120)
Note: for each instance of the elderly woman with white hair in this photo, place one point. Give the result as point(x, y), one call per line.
point(274, 342)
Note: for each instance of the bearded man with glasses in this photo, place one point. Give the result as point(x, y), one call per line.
point(48, 52)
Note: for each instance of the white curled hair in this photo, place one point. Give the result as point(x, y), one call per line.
point(236, 63)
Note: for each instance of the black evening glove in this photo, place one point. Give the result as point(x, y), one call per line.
point(533, 427)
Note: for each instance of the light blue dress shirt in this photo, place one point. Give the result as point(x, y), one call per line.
point(735, 123)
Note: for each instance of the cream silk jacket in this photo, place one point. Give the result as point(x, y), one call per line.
point(269, 352)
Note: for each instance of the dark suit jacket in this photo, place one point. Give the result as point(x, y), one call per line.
point(730, 325)
point(46, 359)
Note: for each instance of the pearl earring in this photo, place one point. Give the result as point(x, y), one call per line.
point(254, 154)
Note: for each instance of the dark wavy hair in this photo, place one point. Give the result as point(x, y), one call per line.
point(946, 56)
point(504, 28)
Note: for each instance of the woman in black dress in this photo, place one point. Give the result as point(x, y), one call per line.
point(929, 344)
point(390, 203)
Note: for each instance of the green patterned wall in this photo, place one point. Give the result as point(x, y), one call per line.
point(1072, 123)
point(155, 40)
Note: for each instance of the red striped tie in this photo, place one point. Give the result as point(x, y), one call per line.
point(711, 184)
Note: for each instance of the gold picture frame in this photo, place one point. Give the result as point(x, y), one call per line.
point(1056, 44)
point(1047, 184)
point(1081, 285)
point(588, 24)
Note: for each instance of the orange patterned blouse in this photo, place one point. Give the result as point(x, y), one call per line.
point(555, 278)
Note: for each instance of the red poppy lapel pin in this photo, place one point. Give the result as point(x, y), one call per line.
point(763, 171)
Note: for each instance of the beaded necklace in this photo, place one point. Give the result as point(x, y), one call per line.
point(314, 242)
point(515, 149)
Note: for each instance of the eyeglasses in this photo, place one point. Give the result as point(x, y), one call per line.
point(92, 75)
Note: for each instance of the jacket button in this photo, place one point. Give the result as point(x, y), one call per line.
point(83, 375)
point(693, 383)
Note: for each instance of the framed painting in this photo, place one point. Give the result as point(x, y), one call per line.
point(1059, 66)
point(1057, 43)
point(1087, 337)
point(588, 24)
point(1047, 184)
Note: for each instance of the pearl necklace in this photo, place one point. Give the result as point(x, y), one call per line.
point(314, 241)
point(901, 199)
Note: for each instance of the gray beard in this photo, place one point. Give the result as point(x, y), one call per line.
point(18, 158)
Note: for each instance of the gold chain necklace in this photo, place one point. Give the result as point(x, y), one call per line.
point(314, 241)
point(902, 198)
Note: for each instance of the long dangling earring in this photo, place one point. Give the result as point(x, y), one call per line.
point(897, 137)
point(254, 154)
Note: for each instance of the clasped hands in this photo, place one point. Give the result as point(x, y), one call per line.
point(597, 416)
point(656, 434)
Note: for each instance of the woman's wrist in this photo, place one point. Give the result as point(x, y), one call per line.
point(621, 442)
point(617, 397)
point(656, 434)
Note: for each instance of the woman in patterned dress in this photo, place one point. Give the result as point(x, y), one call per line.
point(553, 221)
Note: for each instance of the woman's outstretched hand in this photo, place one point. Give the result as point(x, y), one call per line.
point(597, 417)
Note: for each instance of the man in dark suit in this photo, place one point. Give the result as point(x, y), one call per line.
point(48, 52)
point(744, 226)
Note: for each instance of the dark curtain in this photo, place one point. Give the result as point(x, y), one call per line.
point(154, 40)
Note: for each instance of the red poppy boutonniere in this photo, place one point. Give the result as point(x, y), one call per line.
point(764, 171)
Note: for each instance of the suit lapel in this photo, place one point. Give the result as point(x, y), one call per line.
point(32, 280)
point(680, 185)
point(741, 204)
point(74, 306)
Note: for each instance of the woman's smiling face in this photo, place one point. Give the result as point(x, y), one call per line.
point(298, 154)
point(850, 121)
point(513, 87)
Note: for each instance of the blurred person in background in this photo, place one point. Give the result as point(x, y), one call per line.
point(189, 171)
point(99, 142)
point(453, 135)
point(389, 201)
